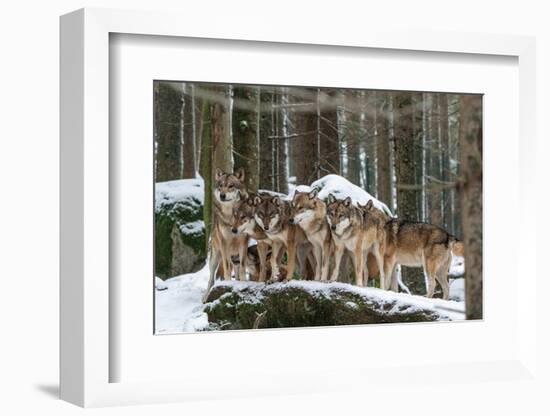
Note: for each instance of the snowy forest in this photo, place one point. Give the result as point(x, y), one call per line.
point(417, 153)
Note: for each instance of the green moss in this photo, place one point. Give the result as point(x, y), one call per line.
point(290, 306)
point(177, 214)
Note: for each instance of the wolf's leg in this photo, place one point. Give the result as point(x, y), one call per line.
point(318, 254)
point(262, 253)
point(338, 253)
point(442, 277)
point(325, 254)
point(243, 259)
point(275, 248)
point(358, 263)
point(213, 267)
point(389, 270)
point(380, 262)
point(430, 269)
point(291, 258)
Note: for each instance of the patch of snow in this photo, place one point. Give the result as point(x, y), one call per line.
point(159, 284)
point(195, 227)
point(456, 290)
point(179, 307)
point(457, 266)
point(179, 190)
point(341, 188)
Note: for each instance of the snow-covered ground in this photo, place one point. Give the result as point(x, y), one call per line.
point(178, 303)
point(179, 190)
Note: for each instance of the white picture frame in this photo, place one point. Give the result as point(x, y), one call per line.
point(86, 356)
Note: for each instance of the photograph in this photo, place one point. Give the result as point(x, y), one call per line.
point(300, 206)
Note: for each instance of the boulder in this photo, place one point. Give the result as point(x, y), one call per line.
point(180, 245)
point(247, 305)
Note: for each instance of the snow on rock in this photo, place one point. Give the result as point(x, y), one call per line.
point(178, 304)
point(181, 190)
point(341, 188)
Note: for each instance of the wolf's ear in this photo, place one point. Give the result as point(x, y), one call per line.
point(331, 198)
point(240, 174)
point(369, 205)
point(347, 202)
point(218, 174)
point(313, 193)
point(257, 200)
point(276, 200)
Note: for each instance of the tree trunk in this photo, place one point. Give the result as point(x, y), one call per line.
point(188, 133)
point(245, 134)
point(471, 159)
point(197, 121)
point(329, 145)
point(407, 188)
point(168, 97)
point(220, 129)
point(368, 140)
point(266, 144)
point(281, 143)
point(206, 168)
point(445, 167)
point(382, 123)
point(305, 141)
point(353, 143)
point(436, 214)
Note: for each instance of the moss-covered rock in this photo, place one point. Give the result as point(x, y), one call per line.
point(180, 242)
point(237, 305)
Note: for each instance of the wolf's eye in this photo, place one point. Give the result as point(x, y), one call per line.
point(230, 186)
point(243, 217)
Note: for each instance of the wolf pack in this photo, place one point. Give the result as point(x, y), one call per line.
point(268, 238)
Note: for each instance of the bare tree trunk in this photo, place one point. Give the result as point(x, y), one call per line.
point(407, 189)
point(169, 162)
point(445, 169)
point(206, 168)
point(245, 134)
point(368, 140)
point(382, 123)
point(353, 135)
point(220, 129)
point(305, 137)
point(266, 143)
point(188, 133)
point(281, 144)
point(197, 122)
point(329, 144)
point(471, 160)
point(436, 214)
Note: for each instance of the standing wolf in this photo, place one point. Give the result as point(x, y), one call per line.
point(310, 214)
point(273, 215)
point(417, 244)
point(348, 233)
point(229, 190)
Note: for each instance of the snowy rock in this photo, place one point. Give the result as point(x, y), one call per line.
point(237, 305)
point(180, 245)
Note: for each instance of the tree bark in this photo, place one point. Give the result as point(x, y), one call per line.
point(382, 124)
point(206, 168)
point(168, 97)
point(220, 130)
point(436, 214)
point(305, 141)
point(329, 144)
point(266, 144)
point(471, 174)
point(188, 133)
point(245, 134)
point(445, 166)
point(353, 136)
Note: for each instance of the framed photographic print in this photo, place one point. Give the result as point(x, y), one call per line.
point(288, 209)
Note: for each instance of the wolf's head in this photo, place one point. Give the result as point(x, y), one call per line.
point(243, 216)
point(305, 206)
point(229, 187)
point(268, 212)
point(339, 213)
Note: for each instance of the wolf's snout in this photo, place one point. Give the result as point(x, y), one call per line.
point(333, 227)
point(222, 196)
point(291, 220)
point(234, 230)
point(266, 227)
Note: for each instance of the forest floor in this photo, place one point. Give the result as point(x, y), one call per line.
point(179, 307)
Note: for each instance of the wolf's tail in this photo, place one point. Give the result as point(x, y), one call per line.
point(457, 246)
